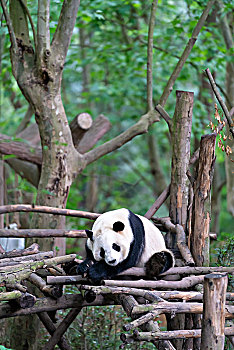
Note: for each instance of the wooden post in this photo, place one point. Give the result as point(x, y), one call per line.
point(212, 336)
point(181, 133)
point(200, 240)
point(182, 123)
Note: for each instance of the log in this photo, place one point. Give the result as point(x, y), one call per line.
point(196, 270)
point(48, 210)
point(139, 321)
point(79, 126)
point(66, 280)
point(185, 283)
point(129, 303)
point(179, 308)
point(183, 334)
point(98, 129)
point(67, 301)
point(16, 273)
point(25, 259)
point(20, 149)
point(148, 295)
point(32, 249)
point(16, 286)
point(53, 291)
point(213, 321)
point(4, 296)
point(152, 296)
point(201, 205)
point(43, 233)
point(26, 300)
point(61, 329)
point(46, 320)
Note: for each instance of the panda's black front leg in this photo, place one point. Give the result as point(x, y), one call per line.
point(83, 267)
point(100, 271)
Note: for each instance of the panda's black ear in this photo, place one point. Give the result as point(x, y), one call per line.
point(118, 226)
point(89, 233)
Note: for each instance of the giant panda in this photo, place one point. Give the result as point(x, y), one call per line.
point(120, 239)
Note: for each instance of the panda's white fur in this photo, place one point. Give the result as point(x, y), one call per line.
point(119, 240)
point(104, 236)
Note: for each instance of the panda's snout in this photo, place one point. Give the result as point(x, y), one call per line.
point(112, 261)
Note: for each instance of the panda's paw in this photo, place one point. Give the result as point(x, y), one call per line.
point(82, 268)
point(95, 275)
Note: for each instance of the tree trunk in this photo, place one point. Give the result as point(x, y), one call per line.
point(182, 123)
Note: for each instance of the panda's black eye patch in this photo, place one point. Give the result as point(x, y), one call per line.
point(102, 253)
point(116, 247)
point(118, 226)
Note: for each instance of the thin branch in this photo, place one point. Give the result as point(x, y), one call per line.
point(185, 54)
point(221, 102)
point(165, 116)
point(157, 204)
point(31, 22)
point(150, 55)
point(9, 26)
point(66, 23)
point(43, 29)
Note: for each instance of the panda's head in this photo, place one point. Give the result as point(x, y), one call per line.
point(111, 237)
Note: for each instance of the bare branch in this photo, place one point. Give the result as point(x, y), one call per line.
point(185, 54)
point(221, 102)
point(157, 204)
point(150, 56)
point(9, 26)
point(66, 23)
point(164, 115)
point(139, 128)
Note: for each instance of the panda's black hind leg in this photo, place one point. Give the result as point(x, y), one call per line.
point(158, 263)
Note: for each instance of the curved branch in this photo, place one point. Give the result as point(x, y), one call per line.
point(139, 128)
point(185, 54)
point(9, 26)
